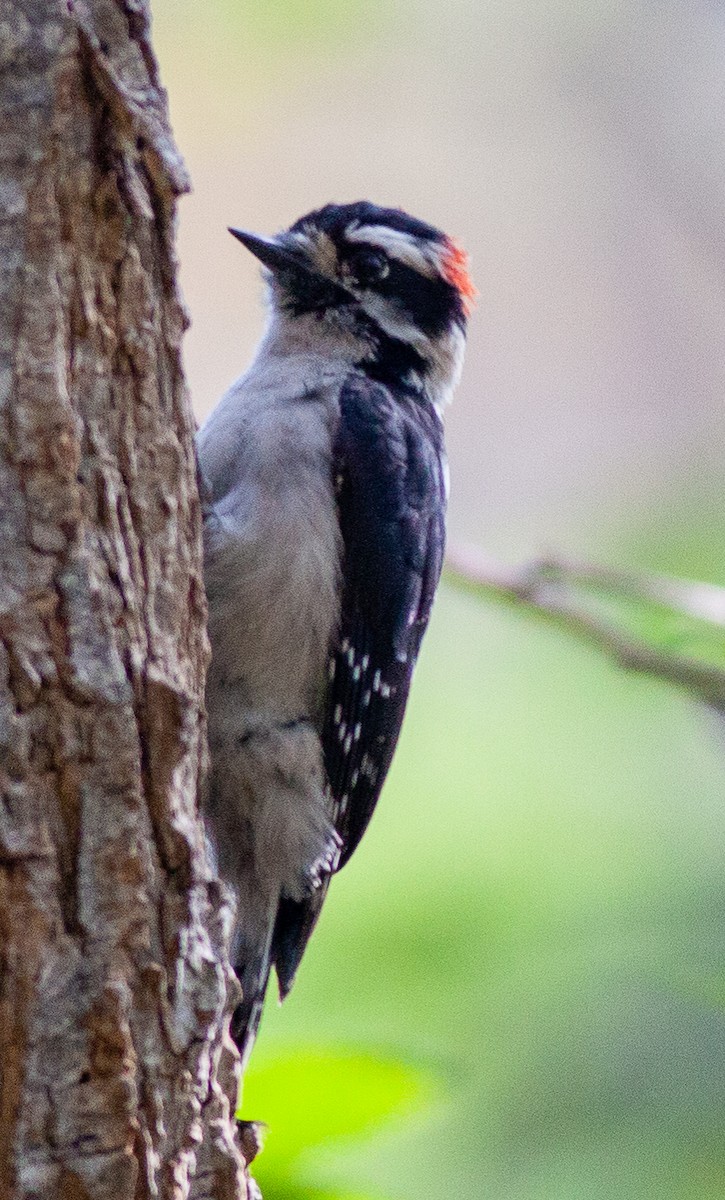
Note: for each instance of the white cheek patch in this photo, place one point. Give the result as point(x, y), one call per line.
point(393, 320)
point(424, 257)
point(445, 365)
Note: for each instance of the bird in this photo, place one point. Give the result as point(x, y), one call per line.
point(324, 483)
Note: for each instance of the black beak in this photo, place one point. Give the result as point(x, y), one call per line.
point(294, 271)
point(272, 253)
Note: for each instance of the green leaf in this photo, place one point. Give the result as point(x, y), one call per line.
point(312, 1096)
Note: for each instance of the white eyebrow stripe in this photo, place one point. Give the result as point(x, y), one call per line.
point(424, 257)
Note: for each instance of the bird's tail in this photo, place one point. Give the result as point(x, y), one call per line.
point(293, 928)
point(283, 950)
point(252, 966)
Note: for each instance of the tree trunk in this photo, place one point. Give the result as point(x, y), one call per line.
point(117, 1078)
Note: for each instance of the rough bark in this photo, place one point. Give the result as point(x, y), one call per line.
point(116, 1076)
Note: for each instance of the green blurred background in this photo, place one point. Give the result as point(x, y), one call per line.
point(517, 989)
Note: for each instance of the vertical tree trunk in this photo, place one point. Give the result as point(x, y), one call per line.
point(116, 1078)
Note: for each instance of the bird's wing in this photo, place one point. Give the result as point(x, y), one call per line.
point(391, 501)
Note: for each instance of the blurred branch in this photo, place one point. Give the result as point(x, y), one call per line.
point(563, 593)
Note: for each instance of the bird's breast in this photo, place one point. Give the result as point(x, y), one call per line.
point(272, 561)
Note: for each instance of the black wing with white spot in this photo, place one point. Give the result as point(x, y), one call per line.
point(389, 465)
point(391, 499)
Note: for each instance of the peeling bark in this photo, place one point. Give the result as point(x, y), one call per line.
point(117, 1077)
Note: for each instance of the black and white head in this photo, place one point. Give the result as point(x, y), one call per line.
point(390, 292)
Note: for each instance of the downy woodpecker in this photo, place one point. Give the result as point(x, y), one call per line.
point(325, 481)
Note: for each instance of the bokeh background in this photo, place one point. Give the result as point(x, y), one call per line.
point(517, 989)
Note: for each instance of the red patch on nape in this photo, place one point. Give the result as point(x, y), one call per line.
point(455, 272)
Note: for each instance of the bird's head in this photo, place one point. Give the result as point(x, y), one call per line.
point(396, 290)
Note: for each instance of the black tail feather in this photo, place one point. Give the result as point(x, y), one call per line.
point(293, 928)
point(252, 970)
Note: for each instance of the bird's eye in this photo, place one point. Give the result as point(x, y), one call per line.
point(367, 266)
